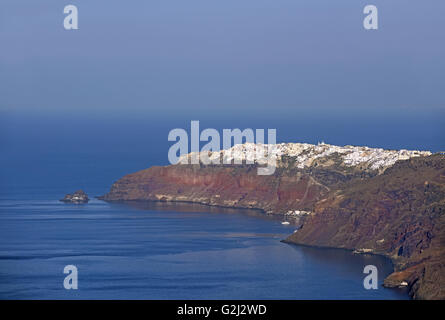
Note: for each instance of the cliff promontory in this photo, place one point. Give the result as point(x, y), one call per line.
point(388, 202)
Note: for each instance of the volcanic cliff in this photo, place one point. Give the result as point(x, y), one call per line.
point(388, 202)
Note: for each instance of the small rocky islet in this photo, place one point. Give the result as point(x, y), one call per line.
point(76, 197)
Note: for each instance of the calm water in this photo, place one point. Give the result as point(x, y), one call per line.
point(158, 251)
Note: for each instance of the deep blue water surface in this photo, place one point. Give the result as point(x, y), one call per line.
point(158, 251)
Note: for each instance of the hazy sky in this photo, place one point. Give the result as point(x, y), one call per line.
point(210, 54)
point(305, 67)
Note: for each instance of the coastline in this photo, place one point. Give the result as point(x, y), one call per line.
point(286, 241)
point(383, 255)
point(151, 253)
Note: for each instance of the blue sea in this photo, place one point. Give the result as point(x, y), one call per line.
point(166, 251)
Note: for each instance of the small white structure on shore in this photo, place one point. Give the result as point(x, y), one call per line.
point(297, 213)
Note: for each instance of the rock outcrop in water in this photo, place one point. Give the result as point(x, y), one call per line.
point(365, 199)
point(77, 197)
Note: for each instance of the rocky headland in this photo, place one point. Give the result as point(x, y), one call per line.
point(388, 202)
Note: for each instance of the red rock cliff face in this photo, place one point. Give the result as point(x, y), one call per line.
point(238, 186)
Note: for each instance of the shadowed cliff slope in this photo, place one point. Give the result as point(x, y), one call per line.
point(399, 214)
